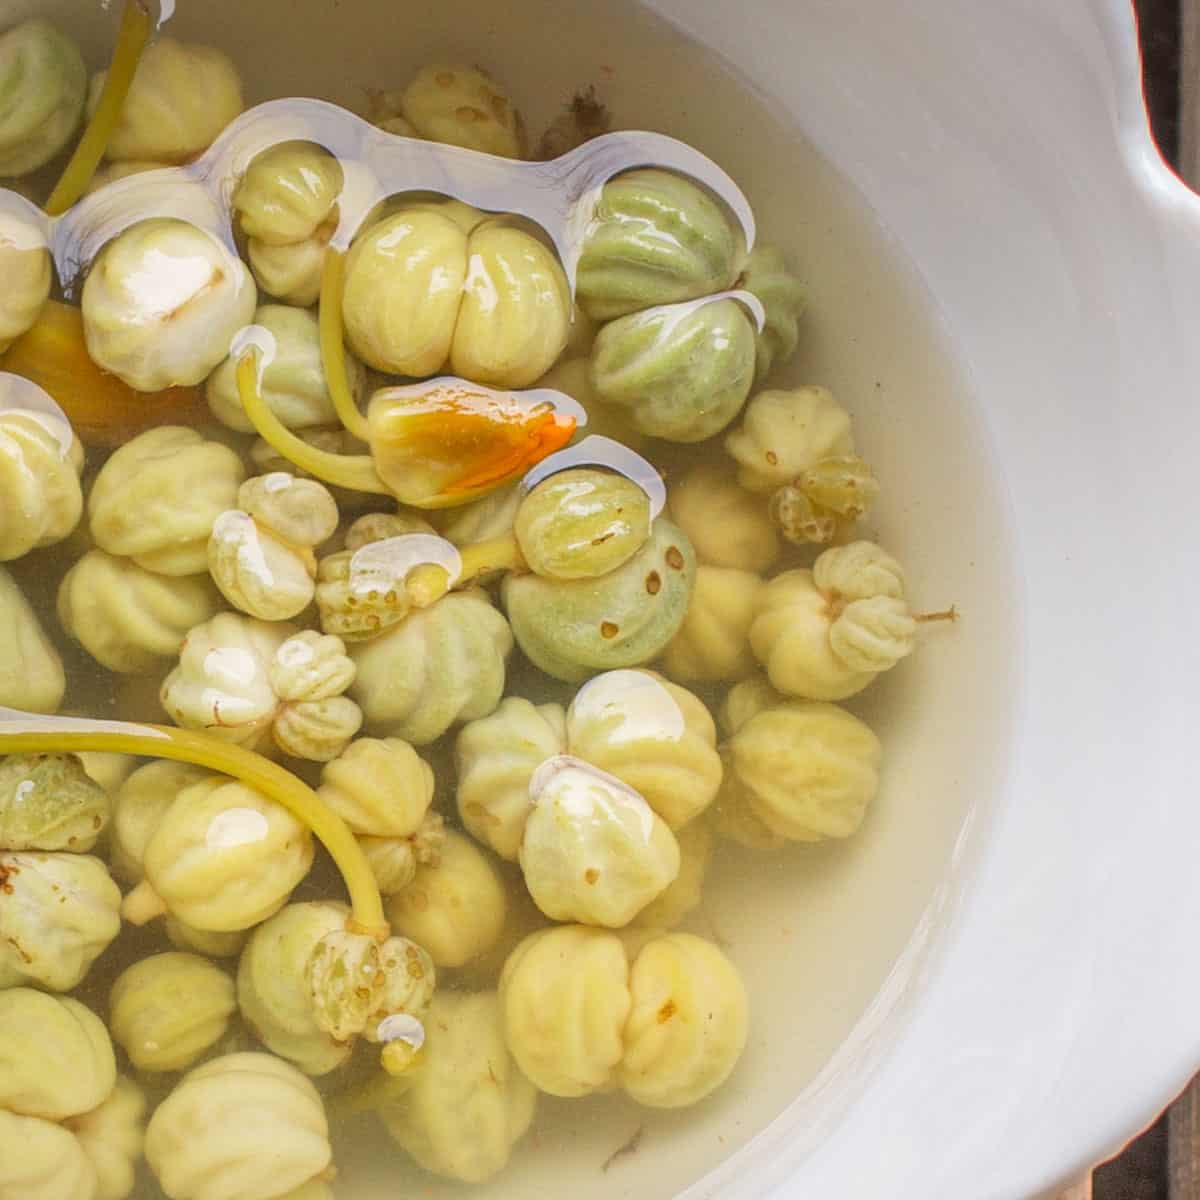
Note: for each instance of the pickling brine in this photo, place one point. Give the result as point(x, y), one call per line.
point(426, 565)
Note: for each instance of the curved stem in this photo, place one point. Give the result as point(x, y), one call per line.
point(136, 28)
point(333, 348)
point(190, 746)
point(355, 472)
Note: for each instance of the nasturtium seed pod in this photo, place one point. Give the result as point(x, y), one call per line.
point(582, 523)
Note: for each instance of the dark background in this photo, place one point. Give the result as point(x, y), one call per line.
point(1141, 1172)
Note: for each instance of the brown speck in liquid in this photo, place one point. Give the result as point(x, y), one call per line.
point(675, 558)
point(608, 630)
point(654, 583)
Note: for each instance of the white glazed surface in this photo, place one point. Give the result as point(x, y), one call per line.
point(1023, 872)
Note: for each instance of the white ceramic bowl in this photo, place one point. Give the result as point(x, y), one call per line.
point(996, 983)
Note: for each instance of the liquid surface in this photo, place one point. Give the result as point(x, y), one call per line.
point(815, 930)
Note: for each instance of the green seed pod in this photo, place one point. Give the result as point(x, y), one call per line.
point(684, 369)
point(583, 523)
point(573, 628)
point(47, 802)
point(656, 238)
point(783, 298)
point(43, 86)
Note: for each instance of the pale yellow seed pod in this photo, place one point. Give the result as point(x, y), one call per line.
point(683, 894)
point(131, 620)
point(210, 944)
point(291, 274)
point(442, 664)
point(317, 730)
point(379, 787)
point(257, 572)
point(653, 735)
point(409, 983)
point(454, 908)
point(790, 636)
point(40, 461)
point(496, 757)
point(182, 96)
point(463, 106)
point(288, 192)
point(808, 770)
point(222, 683)
point(734, 817)
point(112, 1137)
point(310, 666)
point(713, 643)
point(394, 860)
point(162, 303)
point(60, 913)
point(688, 1025)
point(31, 672)
point(516, 309)
point(293, 382)
point(272, 988)
point(564, 997)
point(784, 433)
point(746, 699)
point(26, 270)
point(825, 634)
point(139, 807)
point(56, 1058)
point(156, 499)
point(43, 1161)
point(727, 525)
point(469, 1104)
point(206, 1141)
point(343, 976)
point(223, 858)
point(300, 511)
point(593, 850)
point(404, 287)
point(167, 1010)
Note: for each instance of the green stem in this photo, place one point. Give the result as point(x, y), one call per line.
point(136, 28)
point(191, 746)
point(355, 472)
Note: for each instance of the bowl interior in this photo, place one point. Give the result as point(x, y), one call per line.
point(831, 938)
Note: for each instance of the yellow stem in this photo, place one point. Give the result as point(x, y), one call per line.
point(136, 28)
point(495, 554)
point(333, 348)
point(429, 582)
point(190, 746)
point(355, 472)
